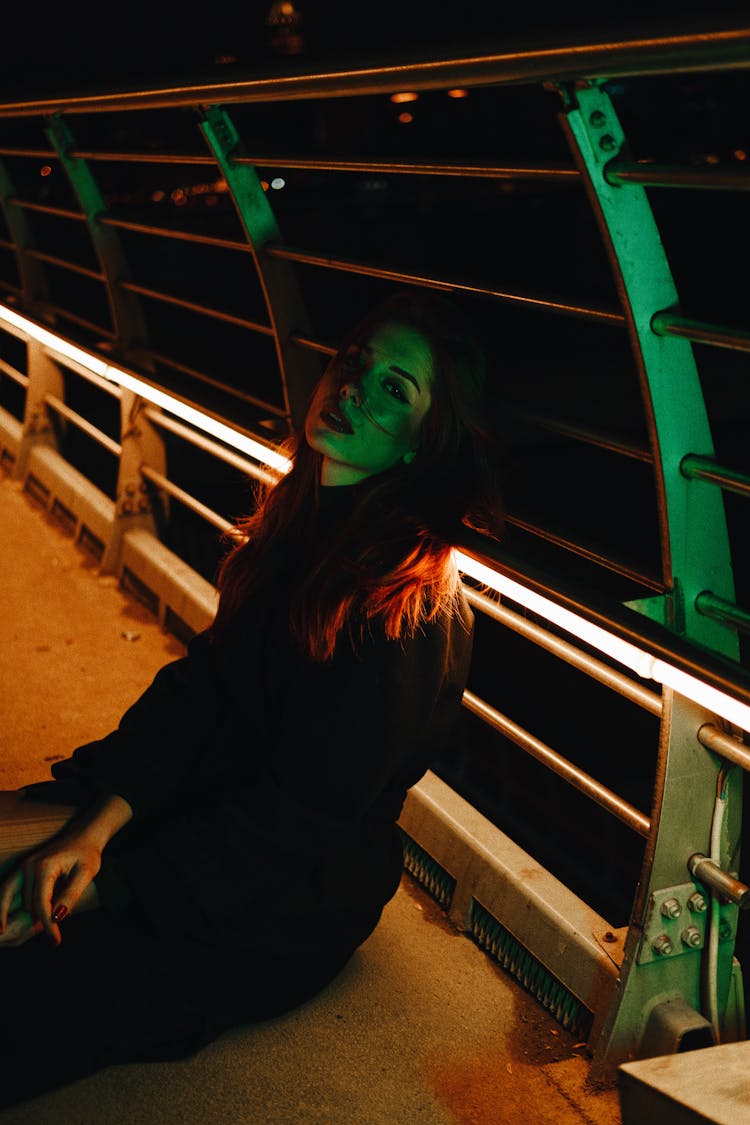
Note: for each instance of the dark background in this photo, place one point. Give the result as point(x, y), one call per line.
point(82, 50)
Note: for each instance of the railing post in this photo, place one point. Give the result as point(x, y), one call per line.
point(45, 378)
point(141, 443)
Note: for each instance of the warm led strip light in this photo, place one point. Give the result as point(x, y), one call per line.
point(638, 660)
point(204, 422)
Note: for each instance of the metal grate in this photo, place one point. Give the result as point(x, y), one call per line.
point(530, 973)
point(428, 872)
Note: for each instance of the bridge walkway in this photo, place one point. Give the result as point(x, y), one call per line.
point(421, 1026)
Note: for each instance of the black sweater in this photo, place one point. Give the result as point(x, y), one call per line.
point(265, 787)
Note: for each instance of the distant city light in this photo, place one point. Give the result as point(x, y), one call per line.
point(458, 93)
point(278, 182)
point(405, 118)
point(45, 170)
point(405, 96)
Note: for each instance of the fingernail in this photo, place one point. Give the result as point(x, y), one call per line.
point(59, 913)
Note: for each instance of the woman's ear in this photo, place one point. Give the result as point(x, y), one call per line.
point(409, 457)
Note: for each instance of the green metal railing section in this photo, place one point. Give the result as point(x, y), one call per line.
point(670, 972)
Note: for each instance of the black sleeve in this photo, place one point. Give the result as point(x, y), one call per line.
point(152, 758)
point(348, 738)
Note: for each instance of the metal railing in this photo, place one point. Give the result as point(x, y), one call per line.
point(682, 610)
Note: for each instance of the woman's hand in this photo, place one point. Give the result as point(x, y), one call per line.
point(57, 878)
point(49, 883)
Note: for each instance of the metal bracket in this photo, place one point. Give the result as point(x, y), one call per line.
point(676, 922)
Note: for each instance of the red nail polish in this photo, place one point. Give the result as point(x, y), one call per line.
point(59, 913)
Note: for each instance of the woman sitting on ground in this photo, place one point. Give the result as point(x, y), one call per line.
point(234, 839)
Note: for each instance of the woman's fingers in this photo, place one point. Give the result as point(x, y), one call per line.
point(19, 929)
point(10, 895)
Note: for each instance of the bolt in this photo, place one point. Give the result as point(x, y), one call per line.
point(609, 936)
point(671, 908)
point(692, 937)
point(696, 903)
point(607, 143)
point(597, 119)
point(725, 930)
point(662, 945)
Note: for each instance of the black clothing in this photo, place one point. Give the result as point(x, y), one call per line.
point(265, 790)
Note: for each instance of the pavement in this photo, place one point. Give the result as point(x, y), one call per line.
point(421, 1028)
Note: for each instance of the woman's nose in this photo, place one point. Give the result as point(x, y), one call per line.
point(350, 392)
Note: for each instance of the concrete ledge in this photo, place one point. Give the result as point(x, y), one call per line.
point(560, 930)
point(177, 588)
point(11, 432)
point(49, 473)
point(707, 1085)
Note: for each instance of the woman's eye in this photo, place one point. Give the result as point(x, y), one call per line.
point(394, 388)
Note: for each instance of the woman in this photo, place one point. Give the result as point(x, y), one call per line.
point(236, 838)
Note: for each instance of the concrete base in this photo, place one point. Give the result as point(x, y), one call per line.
point(707, 1085)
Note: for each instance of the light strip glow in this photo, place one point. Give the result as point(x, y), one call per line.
point(636, 659)
point(104, 370)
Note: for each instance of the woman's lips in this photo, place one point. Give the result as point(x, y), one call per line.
point(336, 421)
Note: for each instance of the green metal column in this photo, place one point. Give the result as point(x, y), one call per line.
point(664, 979)
point(299, 369)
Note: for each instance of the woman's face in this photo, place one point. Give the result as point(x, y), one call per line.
point(367, 410)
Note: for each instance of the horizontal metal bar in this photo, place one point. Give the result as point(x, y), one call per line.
point(313, 345)
point(194, 306)
point(165, 422)
point(65, 264)
point(415, 168)
point(47, 209)
point(564, 650)
point(319, 164)
point(84, 372)
point(74, 318)
point(709, 50)
point(178, 235)
point(185, 498)
point(17, 376)
point(559, 765)
point(703, 468)
point(712, 668)
point(725, 745)
point(209, 381)
point(367, 270)
point(721, 610)
point(650, 581)
point(582, 433)
point(706, 871)
point(719, 336)
point(711, 176)
point(88, 428)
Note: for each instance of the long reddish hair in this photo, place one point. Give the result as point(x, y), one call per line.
point(392, 559)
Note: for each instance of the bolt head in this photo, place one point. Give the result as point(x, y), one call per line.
point(662, 945)
point(671, 908)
